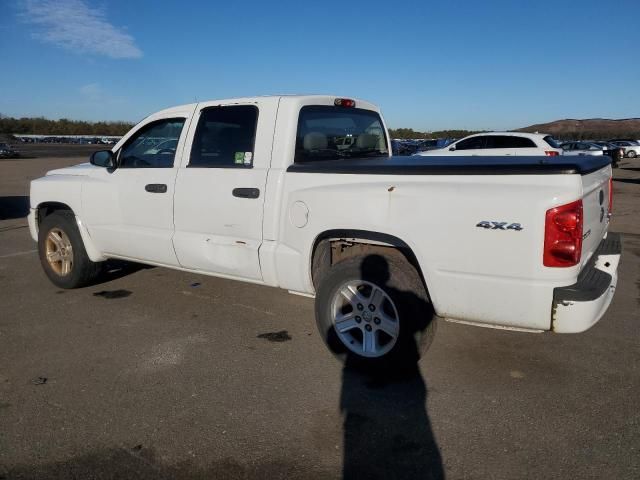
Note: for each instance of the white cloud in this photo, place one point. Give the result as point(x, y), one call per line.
point(73, 25)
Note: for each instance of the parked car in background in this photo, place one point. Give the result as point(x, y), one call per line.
point(7, 152)
point(582, 148)
point(399, 147)
point(631, 147)
point(501, 143)
point(614, 151)
point(432, 144)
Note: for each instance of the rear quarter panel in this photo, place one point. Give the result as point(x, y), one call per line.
point(473, 274)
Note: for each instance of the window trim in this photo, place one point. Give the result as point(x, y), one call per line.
point(144, 127)
point(253, 145)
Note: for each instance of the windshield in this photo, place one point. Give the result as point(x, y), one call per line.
point(331, 133)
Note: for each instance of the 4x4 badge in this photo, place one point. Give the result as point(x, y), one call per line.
point(499, 225)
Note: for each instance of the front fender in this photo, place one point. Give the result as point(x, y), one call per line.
point(64, 192)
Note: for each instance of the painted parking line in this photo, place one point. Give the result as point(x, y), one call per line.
point(17, 254)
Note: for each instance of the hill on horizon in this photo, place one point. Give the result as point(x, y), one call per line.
point(590, 128)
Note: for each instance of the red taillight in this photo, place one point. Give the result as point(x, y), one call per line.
point(551, 153)
point(563, 235)
point(344, 102)
point(610, 195)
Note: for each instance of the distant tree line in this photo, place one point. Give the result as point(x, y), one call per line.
point(411, 133)
point(64, 126)
point(597, 135)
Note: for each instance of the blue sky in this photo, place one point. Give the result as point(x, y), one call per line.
point(429, 65)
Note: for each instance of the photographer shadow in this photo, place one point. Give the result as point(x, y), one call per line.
point(387, 431)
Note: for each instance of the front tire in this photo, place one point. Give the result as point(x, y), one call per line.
point(631, 154)
point(62, 253)
point(373, 311)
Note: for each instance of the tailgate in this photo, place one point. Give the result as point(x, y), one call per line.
point(595, 204)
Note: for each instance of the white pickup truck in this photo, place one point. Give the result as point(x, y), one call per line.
point(300, 192)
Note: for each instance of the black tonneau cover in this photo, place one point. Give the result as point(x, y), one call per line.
point(457, 165)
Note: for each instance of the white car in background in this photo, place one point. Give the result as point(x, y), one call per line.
point(631, 149)
point(500, 143)
point(582, 148)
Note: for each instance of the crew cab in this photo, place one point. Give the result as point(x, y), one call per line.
point(302, 193)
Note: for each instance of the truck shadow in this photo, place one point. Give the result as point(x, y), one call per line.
point(387, 431)
point(14, 207)
point(115, 269)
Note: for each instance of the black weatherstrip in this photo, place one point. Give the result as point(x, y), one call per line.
point(433, 165)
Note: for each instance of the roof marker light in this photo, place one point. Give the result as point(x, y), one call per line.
point(344, 102)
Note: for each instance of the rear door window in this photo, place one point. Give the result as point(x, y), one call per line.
point(521, 142)
point(332, 133)
point(225, 137)
point(509, 141)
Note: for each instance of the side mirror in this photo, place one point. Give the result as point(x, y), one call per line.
point(452, 149)
point(103, 158)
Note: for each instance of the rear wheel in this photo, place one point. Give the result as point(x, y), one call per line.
point(631, 154)
point(374, 311)
point(62, 253)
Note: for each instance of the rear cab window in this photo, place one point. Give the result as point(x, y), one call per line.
point(334, 133)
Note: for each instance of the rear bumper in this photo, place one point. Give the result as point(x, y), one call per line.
point(578, 307)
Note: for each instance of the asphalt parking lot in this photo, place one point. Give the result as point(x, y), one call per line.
point(163, 374)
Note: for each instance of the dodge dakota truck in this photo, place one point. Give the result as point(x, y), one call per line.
point(302, 193)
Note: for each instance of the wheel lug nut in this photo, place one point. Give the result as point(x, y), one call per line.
point(372, 307)
point(358, 319)
point(367, 327)
point(376, 321)
point(360, 307)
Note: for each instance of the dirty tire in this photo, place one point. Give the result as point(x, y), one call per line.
point(83, 271)
point(402, 284)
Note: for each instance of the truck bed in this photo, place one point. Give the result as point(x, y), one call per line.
point(472, 165)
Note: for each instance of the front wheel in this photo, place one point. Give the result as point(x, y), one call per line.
point(374, 311)
point(631, 154)
point(62, 253)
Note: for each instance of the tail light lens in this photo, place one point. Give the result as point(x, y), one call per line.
point(563, 235)
point(610, 195)
point(551, 153)
point(344, 102)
